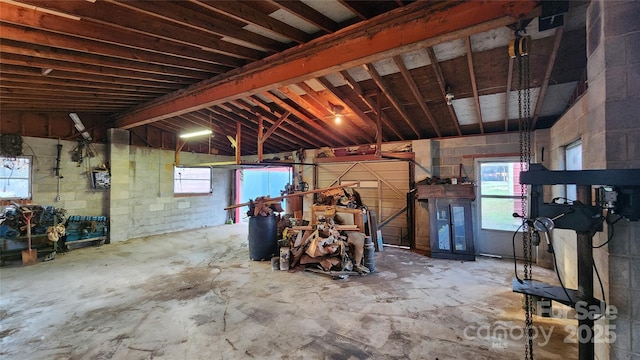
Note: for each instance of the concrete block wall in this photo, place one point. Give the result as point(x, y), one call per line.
point(154, 209)
point(448, 154)
point(77, 195)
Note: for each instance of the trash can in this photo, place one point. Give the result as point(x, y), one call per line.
point(263, 233)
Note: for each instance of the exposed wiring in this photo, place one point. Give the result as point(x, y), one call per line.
point(555, 264)
point(611, 227)
point(515, 262)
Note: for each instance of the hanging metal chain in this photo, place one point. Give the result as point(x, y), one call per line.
point(524, 126)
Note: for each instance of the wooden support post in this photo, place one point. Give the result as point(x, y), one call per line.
point(238, 141)
point(379, 124)
point(260, 137)
point(585, 282)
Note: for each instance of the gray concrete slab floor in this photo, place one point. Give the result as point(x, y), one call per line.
point(197, 295)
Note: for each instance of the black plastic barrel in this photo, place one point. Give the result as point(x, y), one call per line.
point(263, 233)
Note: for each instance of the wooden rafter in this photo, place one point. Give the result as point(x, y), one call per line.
point(312, 107)
point(307, 13)
point(317, 127)
point(293, 133)
point(105, 33)
point(416, 93)
point(364, 119)
point(202, 21)
point(508, 94)
point(547, 75)
point(349, 5)
point(61, 41)
point(474, 86)
point(240, 11)
point(391, 96)
point(443, 87)
point(353, 84)
point(314, 59)
point(354, 130)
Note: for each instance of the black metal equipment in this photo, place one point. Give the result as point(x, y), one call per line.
point(619, 194)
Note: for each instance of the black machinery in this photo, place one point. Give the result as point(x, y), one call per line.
point(618, 194)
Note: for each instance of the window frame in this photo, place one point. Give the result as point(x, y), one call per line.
point(29, 177)
point(209, 190)
point(481, 196)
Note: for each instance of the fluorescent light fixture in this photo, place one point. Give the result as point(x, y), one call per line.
point(46, 71)
point(196, 133)
point(77, 122)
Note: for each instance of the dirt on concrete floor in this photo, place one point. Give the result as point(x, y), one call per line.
point(197, 295)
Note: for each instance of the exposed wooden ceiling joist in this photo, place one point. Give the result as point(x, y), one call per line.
point(363, 43)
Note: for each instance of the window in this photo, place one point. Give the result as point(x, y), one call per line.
point(191, 180)
point(573, 161)
point(15, 176)
point(500, 195)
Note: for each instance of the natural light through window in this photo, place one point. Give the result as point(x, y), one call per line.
point(500, 195)
point(191, 180)
point(15, 176)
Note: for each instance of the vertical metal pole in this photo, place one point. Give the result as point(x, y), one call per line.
point(585, 281)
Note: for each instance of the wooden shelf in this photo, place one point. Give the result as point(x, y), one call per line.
point(369, 157)
point(462, 191)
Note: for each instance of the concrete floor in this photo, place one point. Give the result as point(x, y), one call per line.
point(196, 295)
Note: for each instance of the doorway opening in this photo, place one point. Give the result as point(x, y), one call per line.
point(253, 183)
point(499, 198)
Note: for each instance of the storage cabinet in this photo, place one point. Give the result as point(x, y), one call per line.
point(451, 230)
point(450, 224)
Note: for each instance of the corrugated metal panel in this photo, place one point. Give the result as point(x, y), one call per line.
point(387, 199)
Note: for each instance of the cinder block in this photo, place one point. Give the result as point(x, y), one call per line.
point(616, 82)
point(620, 297)
point(616, 146)
point(615, 52)
point(623, 334)
point(621, 17)
point(635, 273)
point(633, 80)
point(635, 307)
point(619, 271)
point(622, 114)
point(184, 205)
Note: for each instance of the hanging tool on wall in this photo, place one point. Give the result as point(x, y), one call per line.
point(57, 170)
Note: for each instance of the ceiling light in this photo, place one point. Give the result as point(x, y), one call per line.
point(46, 71)
point(338, 119)
point(77, 122)
point(196, 133)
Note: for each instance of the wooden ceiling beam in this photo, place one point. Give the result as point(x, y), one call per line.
point(101, 32)
point(308, 14)
point(201, 20)
point(321, 114)
point(352, 6)
point(392, 97)
point(67, 42)
point(240, 11)
point(74, 84)
point(71, 90)
point(508, 95)
point(328, 136)
point(443, 87)
point(284, 131)
point(416, 93)
point(365, 122)
point(421, 24)
point(118, 13)
point(353, 130)
point(354, 86)
point(67, 75)
point(251, 123)
point(298, 135)
point(474, 85)
point(547, 75)
point(21, 60)
point(44, 52)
